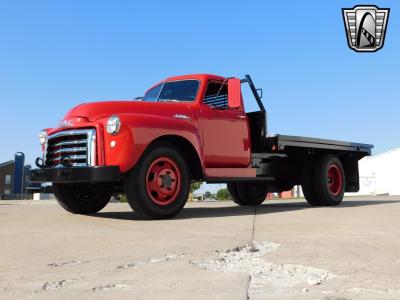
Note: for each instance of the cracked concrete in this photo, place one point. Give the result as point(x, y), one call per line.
point(113, 287)
point(281, 250)
point(165, 258)
point(56, 285)
point(67, 263)
point(264, 276)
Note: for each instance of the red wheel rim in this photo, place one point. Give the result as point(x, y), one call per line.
point(163, 181)
point(334, 180)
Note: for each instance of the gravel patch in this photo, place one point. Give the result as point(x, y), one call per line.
point(67, 263)
point(57, 285)
point(113, 287)
point(356, 291)
point(264, 276)
point(165, 258)
point(126, 266)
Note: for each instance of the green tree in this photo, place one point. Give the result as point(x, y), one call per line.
point(195, 186)
point(223, 195)
point(121, 197)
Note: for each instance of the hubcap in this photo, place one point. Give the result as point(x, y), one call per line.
point(163, 181)
point(334, 180)
point(84, 193)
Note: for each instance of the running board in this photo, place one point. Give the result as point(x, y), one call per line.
point(238, 179)
point(230, 172)
point(222, 175)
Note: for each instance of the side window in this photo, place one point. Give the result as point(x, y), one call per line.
point(7, 180)
point(216, 95)
point(152, 95)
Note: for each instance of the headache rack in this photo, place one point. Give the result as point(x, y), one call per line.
point(71, 148)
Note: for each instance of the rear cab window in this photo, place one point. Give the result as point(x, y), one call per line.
point(216, 95)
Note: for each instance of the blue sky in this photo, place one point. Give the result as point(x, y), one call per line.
point(56, 54)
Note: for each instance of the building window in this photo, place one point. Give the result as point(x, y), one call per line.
point(7, 179)
point(6, 192)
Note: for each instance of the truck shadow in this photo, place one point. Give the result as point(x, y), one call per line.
point(212, 211)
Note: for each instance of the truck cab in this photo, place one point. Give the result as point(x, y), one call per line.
point(185, 129)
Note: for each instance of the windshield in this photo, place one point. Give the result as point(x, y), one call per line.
point(152, 94)
point(183, 90)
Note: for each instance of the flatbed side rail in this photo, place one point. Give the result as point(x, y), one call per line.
point(280, 142)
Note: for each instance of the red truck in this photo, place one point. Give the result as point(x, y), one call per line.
point(187, 129)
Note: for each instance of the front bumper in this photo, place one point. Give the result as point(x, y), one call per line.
point(76, 174)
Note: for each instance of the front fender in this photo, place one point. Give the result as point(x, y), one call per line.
point(139, 131)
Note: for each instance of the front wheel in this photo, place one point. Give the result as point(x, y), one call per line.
point(158, 186)
point(80, 198)
point(248, 193)
point(232, 190)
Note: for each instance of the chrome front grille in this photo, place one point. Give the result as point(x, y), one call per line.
point(71, 148)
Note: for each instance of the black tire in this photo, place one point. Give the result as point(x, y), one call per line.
point(329, 180)
point(140, 181)
point(80, 198)
point(248, 193)
point(232, 190)
point(307, 184)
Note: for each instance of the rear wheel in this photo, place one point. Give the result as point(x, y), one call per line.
point(329, 180)
point(248, 193)
point(80, 198)
point(307, 184)
point(158, 186)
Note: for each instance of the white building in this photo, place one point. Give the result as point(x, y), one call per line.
point(379, 174)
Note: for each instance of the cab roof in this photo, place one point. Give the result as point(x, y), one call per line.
point(201, 77)
point(195, 76)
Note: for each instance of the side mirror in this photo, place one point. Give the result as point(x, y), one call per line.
point(234, 93)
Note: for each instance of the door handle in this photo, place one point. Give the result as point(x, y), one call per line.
point(181, 116)
point(241, 117)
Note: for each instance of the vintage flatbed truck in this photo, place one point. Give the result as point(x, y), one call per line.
point(186, 129)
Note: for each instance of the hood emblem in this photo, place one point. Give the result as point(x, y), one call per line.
point(67, 123)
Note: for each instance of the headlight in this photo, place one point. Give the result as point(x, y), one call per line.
point(113, 125)
point(43, 137)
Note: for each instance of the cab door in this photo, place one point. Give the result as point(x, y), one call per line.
point(225, 131)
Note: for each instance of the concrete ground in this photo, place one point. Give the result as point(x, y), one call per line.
point(280, 250)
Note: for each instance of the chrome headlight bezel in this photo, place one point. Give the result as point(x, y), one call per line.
point(113, 125)
point(43, 135)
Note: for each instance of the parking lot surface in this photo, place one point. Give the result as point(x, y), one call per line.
point(280, 250)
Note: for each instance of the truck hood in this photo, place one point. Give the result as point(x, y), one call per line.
point(96, 110)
